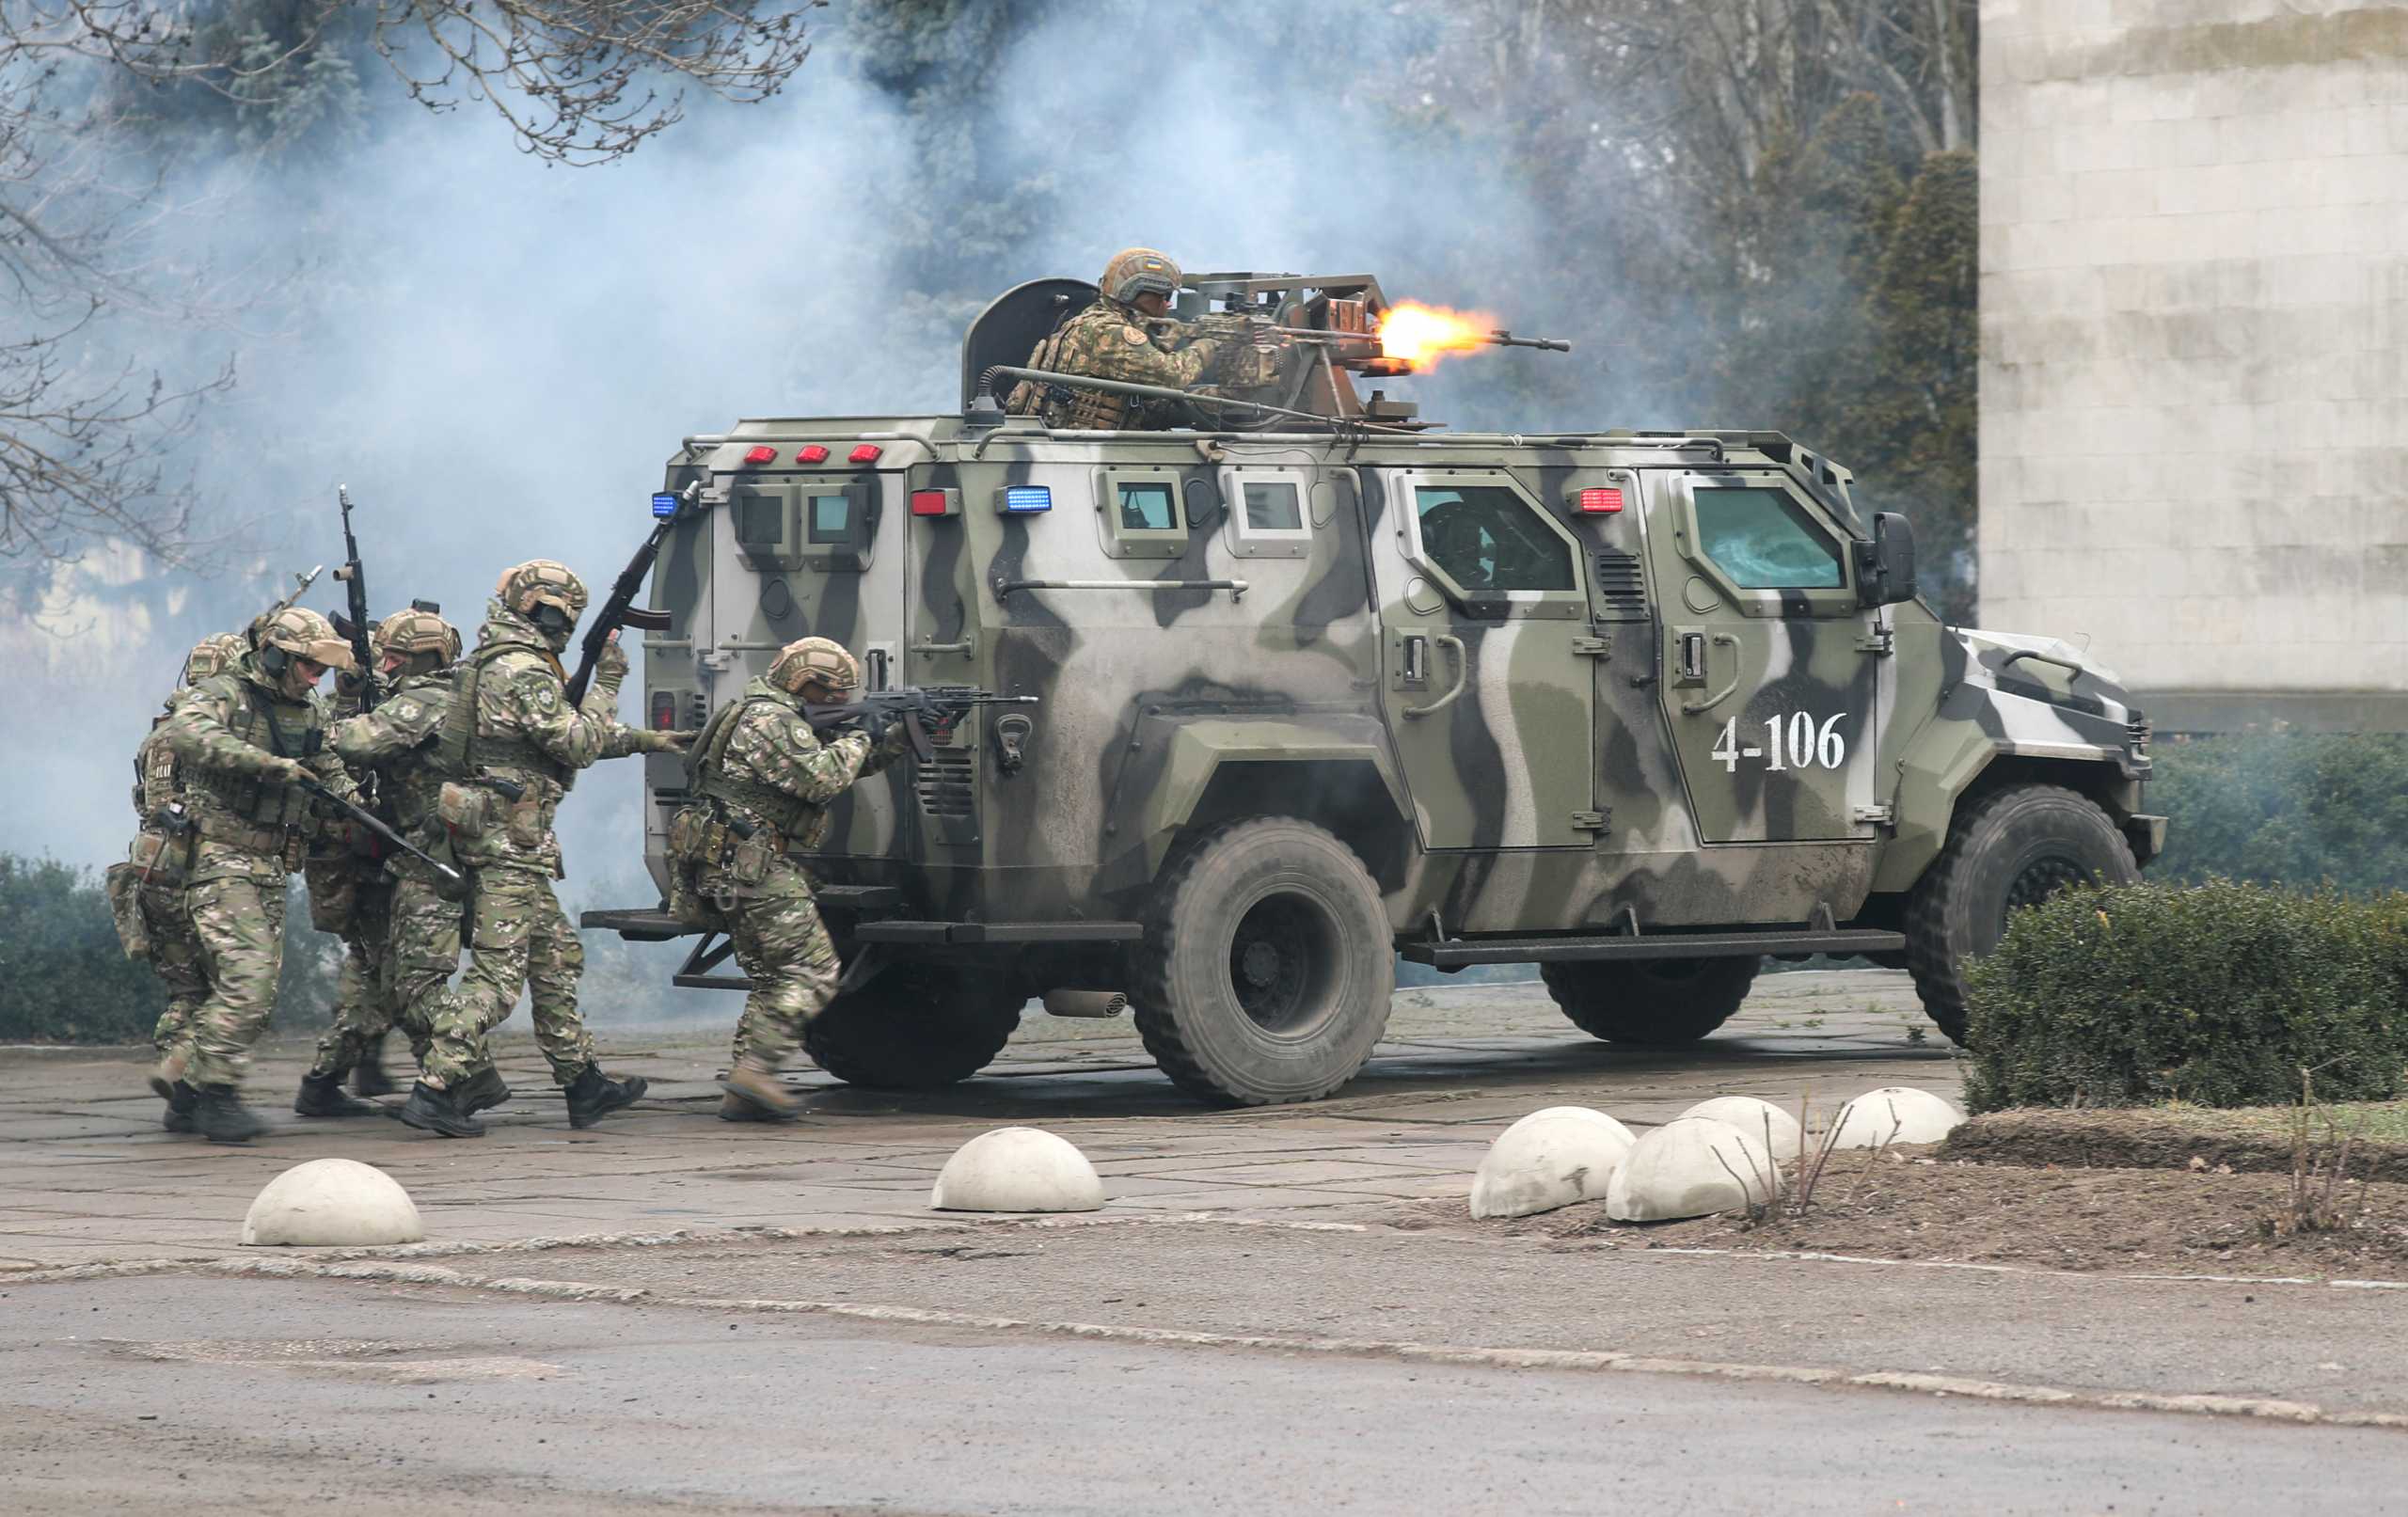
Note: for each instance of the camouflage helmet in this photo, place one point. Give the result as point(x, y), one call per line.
point(305, 634)
point(540, 580)
point(815, 658)
point(212, 656)
point(414, 632)
point(1138, 271)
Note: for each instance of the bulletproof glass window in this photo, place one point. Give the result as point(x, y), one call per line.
point(1487, 539)
point(1147, 505)
point(1272, 506)
point(1764, 539)
point(760, 520)
point(831, 518)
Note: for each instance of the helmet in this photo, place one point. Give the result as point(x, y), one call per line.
point(213, 656)
point(1137, 271)
point(541, 581)
point(815, 658)
point(302, 633)
point(414, 632)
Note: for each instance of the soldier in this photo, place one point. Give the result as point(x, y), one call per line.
point(155, 876)
point(508, 749)
point(243, 740)
point(766, 779)
point(1110, 341)
point(413, 649)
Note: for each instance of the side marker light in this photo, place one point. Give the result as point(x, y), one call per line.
point(866, 453)
point(1600, 502)
point(760, 453)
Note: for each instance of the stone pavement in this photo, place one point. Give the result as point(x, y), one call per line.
point(88, 1177)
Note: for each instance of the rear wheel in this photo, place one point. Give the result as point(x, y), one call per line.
point(2008, 849)
point(914, 1027)
point(1649, 1002)
point(1267, 964)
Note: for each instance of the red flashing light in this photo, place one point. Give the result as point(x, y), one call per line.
point(931, 503)
point(813, 454)
point(664, 711)
point(760, 453)
point(1600, 502)
point(866, 453)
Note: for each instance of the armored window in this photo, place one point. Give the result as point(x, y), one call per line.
point(1147, 505)
point(760, 520)
point(1764, 539)
point(1272, 506)
point(1489, 541)
point(1267, 515)
point(831, 518)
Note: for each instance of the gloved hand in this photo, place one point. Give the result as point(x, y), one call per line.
point(650, 741)
point(284, 770)
point(612, 664)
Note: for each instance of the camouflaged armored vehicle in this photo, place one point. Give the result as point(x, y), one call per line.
point(1322, 685)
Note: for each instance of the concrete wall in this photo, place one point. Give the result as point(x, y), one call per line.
point(2195, 347)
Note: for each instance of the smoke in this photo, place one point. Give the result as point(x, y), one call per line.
point(498, 356)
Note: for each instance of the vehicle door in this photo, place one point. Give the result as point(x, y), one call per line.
point(1488, 693)
point(1770, 669)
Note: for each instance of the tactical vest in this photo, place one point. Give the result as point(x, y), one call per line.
point(1063, 405)
point(461, 749)
point(287, 729)
point(706, 773)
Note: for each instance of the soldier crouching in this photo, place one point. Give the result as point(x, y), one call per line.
point(245, 741)
point(766, 779)
point(509, 748)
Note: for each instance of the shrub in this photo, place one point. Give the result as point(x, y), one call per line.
point(2284, 808)
point(65, 979)
point(2218, 995)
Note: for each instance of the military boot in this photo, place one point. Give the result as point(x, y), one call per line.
point(224, 1119)
point(439, 1112)
point(751, 1086)
point(592, 1095)
point(368, 1075)
point(321, 1095)
point(482, 1091)
point(182, 1099)
point(165, 1076)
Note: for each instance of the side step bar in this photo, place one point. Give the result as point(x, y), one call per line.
point(1460, 953)
point(658, 926)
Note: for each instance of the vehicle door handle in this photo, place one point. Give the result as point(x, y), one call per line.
point(1707, 703)
point(1463, 676)
point(967, 647)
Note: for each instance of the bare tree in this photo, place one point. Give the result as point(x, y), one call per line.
point(85, 446)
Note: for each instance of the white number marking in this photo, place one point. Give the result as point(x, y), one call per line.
point(1792, 742)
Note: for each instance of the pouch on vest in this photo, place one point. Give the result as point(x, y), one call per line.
point(123, 883)
point(525, 820)
point(158, 860)
point(334, 893)
point(468, 809)
point(749, 861)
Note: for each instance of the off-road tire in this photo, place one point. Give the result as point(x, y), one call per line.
point(1649, 1002)
point(915, 1027)
point(2012, 848)
point(1267, 964)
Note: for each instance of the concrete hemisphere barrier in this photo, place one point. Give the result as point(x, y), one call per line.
point(332, 1203)
point(1550, 1159)
point(1894, 1114)
point(1017, 1169)
point(1692, 1166)
point(1757, 1118)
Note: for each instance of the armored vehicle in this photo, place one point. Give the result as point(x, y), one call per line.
point(1320, 686)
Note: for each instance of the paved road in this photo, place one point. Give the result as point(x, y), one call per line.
point(204, 1396)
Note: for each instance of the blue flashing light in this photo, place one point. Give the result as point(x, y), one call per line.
point(1020, 499)
point(664, 505)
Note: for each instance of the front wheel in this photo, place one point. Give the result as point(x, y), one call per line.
point(2008, 849)
point(914, 1027)
point(1267, 964)
point(1649, 1002)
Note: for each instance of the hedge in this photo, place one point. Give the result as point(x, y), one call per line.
point(2300, 809)
point(65, 979)
point(2217, 995)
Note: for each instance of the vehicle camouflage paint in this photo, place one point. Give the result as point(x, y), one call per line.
point(1638, 706)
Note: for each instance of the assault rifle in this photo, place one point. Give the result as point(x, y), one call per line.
point(620, 608)
point(377, 825)
point(927, 709)
point(354, 627)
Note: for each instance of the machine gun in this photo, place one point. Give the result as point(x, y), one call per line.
point(923, 712)
point(619, 608)
point(354, 627)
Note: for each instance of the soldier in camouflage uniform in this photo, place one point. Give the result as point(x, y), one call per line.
point(766, 778)
point(1111, 340)
point(243, 739)
point(413, 649)
point(509, 748)
point(149, 886)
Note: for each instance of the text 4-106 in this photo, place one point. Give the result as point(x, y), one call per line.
point(1791, 742)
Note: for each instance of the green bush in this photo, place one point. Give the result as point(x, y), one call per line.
point(65, 979)
point(2217, 994)
point(2284, 808)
